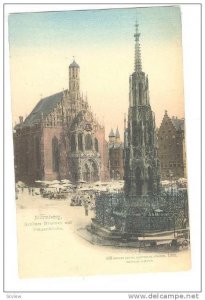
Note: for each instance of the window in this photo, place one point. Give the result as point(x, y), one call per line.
point(37, 152)
point(88, 142)
point(55, 152)
point(80, 142)
point(26, 156)
point(116, 163)
point(73, 146)
point(96, 145)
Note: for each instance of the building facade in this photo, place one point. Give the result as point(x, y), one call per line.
point(172, 154)
point(115, 146)
point(142, 167)
point(61, 138)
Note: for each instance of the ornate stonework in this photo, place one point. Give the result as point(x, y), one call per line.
point(142, 175)
point(172, 152)
point(61, 138)
point(116, 166)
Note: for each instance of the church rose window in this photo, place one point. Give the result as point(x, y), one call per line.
point(88, 142)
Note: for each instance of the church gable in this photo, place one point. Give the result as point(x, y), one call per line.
point(83, 121)
point(166, 125)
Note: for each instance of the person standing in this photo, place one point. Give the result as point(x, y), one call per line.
point(86, 207)
point(17, 192)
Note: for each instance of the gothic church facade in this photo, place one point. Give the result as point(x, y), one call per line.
point(61, 139)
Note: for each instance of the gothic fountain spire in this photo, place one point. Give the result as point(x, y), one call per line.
point(138, 61)
point(142, 172)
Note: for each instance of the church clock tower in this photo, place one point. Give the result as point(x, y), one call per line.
point(141, 160)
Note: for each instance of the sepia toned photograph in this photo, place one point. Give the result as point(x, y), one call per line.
point(99, 141)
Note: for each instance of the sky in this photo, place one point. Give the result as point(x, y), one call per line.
point(42, 46)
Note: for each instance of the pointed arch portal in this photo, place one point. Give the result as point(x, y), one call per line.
point(90, 171)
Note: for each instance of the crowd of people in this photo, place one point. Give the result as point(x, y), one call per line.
point(78, 197)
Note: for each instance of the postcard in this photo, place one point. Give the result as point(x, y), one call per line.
point(99, 141)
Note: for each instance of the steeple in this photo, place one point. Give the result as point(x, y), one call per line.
point(138, 62)
point(111, 133)
point(117, 136)
point(74, 80)
point(111, 136)
point(140, 152)
point(139, 83)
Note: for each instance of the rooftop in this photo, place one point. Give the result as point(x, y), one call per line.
point(178, 123)
point(43, 108)
point(74, 64)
